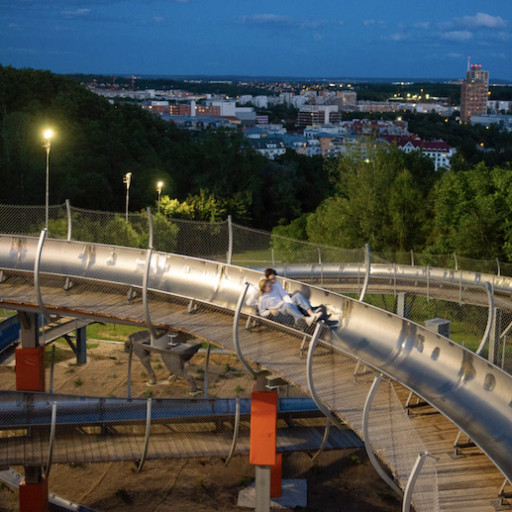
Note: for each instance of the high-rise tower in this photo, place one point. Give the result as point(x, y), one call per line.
point(474, 92)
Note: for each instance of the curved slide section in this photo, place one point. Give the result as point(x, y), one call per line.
point(467, 389)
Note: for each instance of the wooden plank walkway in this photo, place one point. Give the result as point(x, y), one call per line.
point(469, 482)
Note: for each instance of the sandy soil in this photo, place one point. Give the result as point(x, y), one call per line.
point(339, 480)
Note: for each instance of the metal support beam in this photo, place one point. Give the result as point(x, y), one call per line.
point(236, 429)
point(29, 329)
point(409, 488)
point(309, 374)
point(37, 283)
point(262, 485)
point(236, 339)
point(229, 254)
point(490, 321)
point(146, 437)
point(368, 266)
point(366, 434)
point(81, 345)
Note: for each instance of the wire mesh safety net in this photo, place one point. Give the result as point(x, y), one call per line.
point(340, 382)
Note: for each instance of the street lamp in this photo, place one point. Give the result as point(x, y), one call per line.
point(47, 135)
point(127, 179)
point(159, 186)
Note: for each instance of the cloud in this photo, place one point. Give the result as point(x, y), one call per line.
point(457, 35)
point(76, 13)
point(454, 55)
point(422, 24)
point(398, 36)
point(265, 19)
point(370, 23)
point(482, 20)
point(276, 21)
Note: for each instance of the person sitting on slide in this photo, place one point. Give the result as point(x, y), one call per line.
point(296, 298)
point(271, 303)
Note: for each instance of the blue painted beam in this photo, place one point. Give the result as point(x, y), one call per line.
point(23, 409)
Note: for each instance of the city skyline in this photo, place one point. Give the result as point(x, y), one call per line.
point(257, 38)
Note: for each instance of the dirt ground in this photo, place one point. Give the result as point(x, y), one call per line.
point(339, 480)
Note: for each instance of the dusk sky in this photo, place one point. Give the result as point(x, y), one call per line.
point(295, 38)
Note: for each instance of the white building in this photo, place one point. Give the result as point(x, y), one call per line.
point(227, 107)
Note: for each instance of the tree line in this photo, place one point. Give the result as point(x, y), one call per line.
point(394, 201)
point(96, 143)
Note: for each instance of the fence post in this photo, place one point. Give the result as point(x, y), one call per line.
point(37, 283)
point(70, 226)
point(229, 255)
point(145, 280)
point(368, 266)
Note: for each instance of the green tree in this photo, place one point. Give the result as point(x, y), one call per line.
point(472, 212)
point(377, 202)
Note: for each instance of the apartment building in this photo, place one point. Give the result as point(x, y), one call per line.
point(474, 93)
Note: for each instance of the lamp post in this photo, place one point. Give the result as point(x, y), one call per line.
point(127, 179)
point(159, 186)
point(47, 135)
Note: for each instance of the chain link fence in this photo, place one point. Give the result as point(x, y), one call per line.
point(343, 385)
point(241, 245)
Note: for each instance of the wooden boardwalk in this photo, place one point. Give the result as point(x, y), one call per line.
point(468, 482)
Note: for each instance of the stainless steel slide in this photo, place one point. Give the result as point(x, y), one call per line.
point(470, 391)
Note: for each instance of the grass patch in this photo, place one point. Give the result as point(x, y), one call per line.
point(110, 332)
point(78, 382)
point(60, 354)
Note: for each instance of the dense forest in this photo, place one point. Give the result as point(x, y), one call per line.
point(97, 143)
point(394, 201)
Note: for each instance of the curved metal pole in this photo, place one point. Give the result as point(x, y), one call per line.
point(150, 227)
point(409, 488)
point(309, 373)
point(52, 368)
point(206, 371)
point(70, 225)
point(37, 265)
point(229, 254)
point(236, 429)
point(366, 434)
point(129, 380)
point(145, 280)
point(146, 439)
point(324, 439)
point(52, 439)
point(236, 339)
point(368, 265)
point(490, 319)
